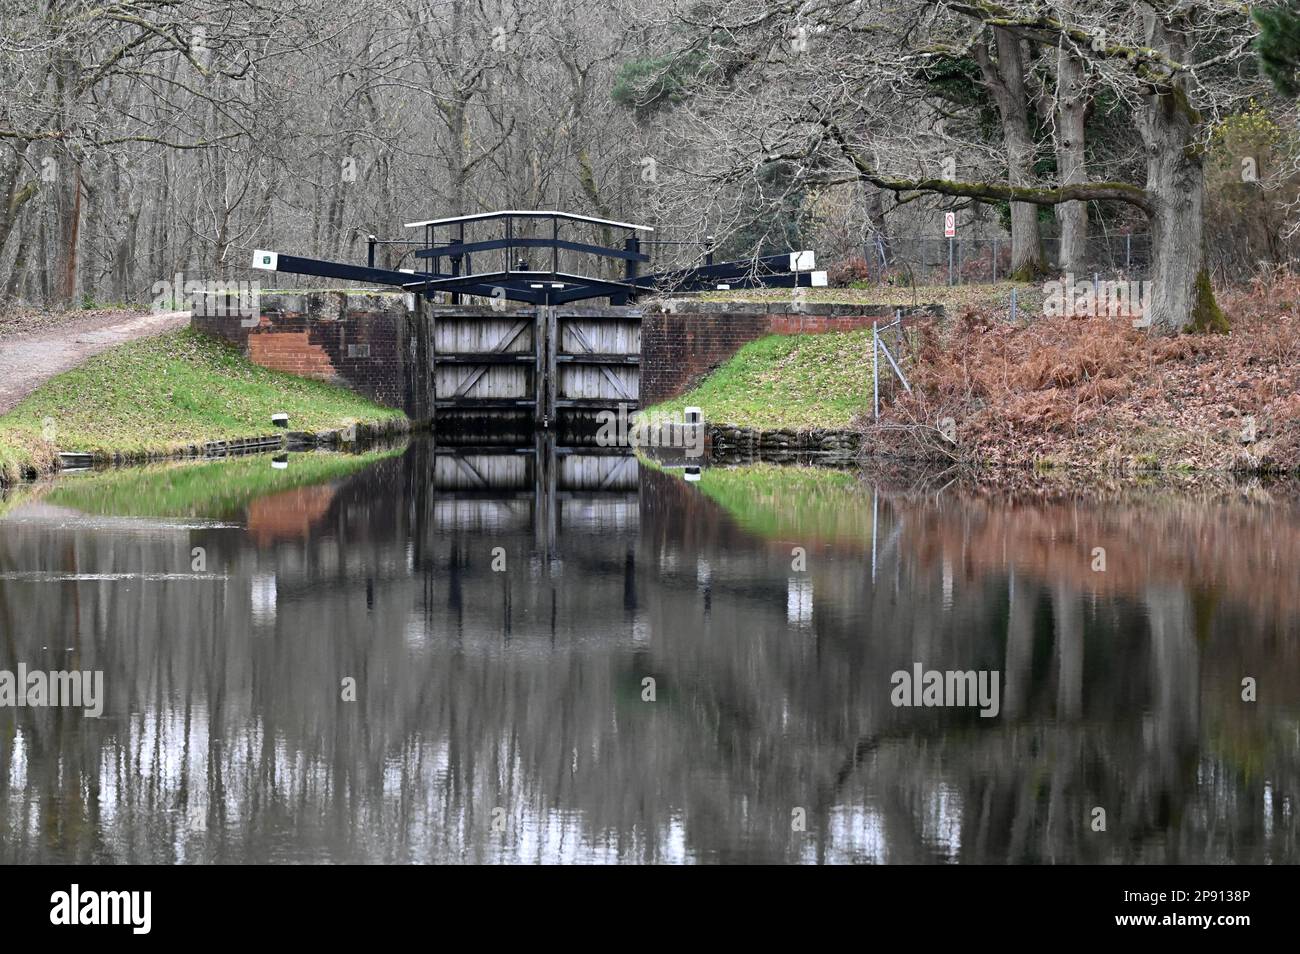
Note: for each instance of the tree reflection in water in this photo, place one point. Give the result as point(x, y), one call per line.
point(226, 737)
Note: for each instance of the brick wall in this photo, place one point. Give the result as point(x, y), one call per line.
point(369, 343)
point(681, 344)
point(373, 345)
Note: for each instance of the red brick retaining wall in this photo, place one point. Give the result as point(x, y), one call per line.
point(369, 343)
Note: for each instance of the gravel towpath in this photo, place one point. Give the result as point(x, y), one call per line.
point(29, 359)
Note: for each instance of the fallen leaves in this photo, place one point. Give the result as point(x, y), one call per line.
point(1094, 393)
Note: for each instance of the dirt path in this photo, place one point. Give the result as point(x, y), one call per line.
point(28, 360)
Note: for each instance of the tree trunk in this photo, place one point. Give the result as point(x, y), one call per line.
point(12, 287)
point(458, 120)
point(1067, 608)
point(882, 253)
point(1020, 646)
point(123, 268)
point(42, 277)
point(1006, 81)
point(70, 225)
point(595, 201)
point(1181, 297)
point(1071, 165)
point(12, 198)
point(457, 156)
point(91, 257)
point(160, 238)
point(1175, 668)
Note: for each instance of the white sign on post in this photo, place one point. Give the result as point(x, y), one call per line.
point(949, 224)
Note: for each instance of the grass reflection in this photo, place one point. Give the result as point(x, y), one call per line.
point(215, 489)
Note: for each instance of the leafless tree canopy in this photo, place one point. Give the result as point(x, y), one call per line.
point(142, 138)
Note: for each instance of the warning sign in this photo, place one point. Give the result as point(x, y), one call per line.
point(949, 224)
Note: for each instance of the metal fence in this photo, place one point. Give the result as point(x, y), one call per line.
point(972, 261)
point(932, 260)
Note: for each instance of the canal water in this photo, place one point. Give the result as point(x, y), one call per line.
point(515, 655)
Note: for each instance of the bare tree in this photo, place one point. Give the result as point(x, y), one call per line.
point(832, 108)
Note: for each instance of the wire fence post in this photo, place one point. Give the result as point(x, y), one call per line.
point(898, 372)
point(875, 369)
point(965, 259)
point(875, 517)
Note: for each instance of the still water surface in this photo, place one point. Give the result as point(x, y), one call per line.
point(500, 626)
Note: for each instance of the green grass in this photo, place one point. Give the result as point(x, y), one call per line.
point(17, 457)
point(215, 489)
point(799, 381)
point(789, 502)
point(159, 395)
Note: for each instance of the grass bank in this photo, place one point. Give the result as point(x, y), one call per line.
point(787, 381)
point(159, 396)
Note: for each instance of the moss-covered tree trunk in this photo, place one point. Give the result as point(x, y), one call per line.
point(1181, 297)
